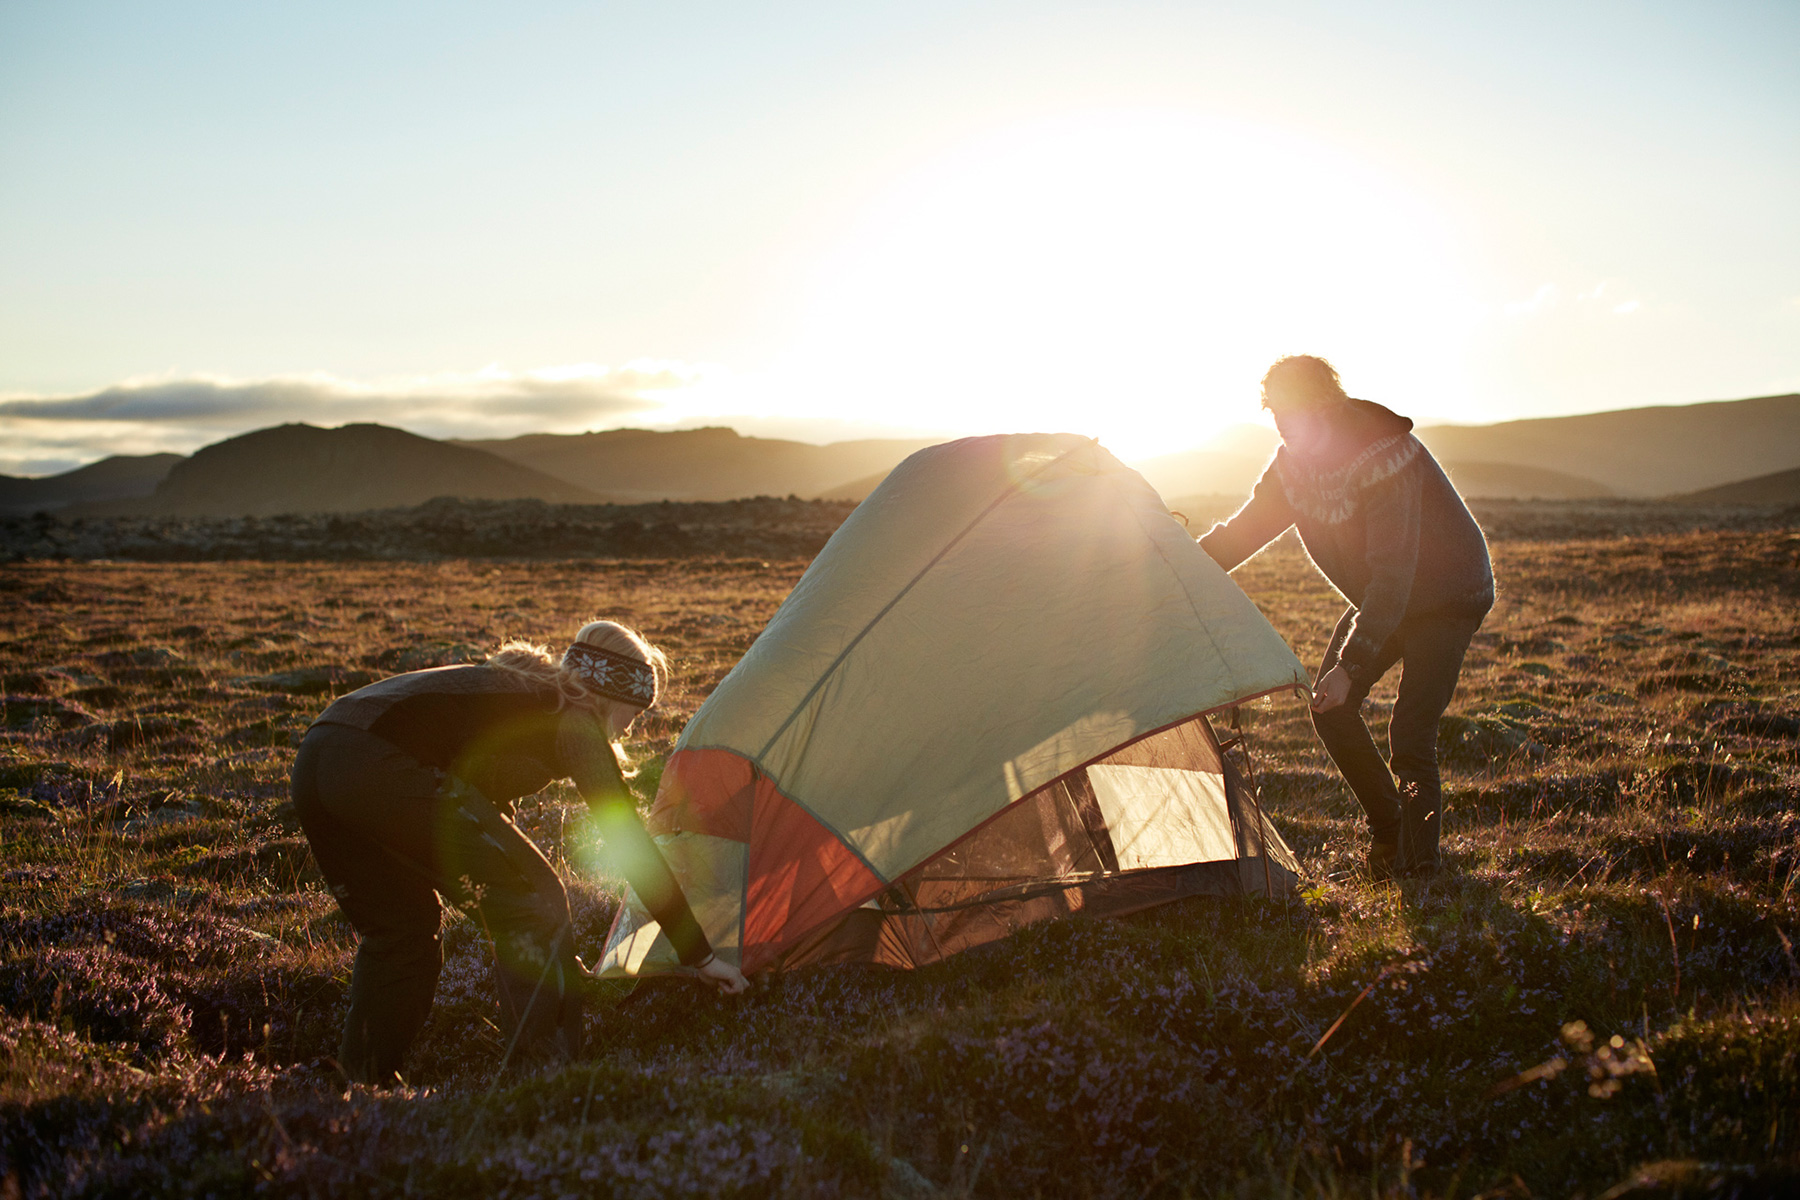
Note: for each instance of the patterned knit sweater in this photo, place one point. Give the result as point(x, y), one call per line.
point(1378, 517)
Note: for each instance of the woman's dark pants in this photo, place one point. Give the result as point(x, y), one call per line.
point(1402, 797)
point(390, 838)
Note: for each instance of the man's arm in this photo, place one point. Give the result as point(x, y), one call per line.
point(1263, 518)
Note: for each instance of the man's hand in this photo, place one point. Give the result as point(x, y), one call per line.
point(1331, 690)
point(718, 973)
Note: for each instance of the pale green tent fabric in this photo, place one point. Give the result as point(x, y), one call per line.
point(998, 612)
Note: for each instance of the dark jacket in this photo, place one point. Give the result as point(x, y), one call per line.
point(503, 734)
point(1378, 517)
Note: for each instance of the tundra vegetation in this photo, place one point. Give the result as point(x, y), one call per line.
point(1600, 992)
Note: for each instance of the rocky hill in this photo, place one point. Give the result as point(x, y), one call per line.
point(1635, 452)
point(1640, 451)
point(698, 464)
point(1511, 481)
point(1205, 472)
point(121, 477)
point(855, 489)
point(304, 469)
point(1781, 487)
point(1632, 453)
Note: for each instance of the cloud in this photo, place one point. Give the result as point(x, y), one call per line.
point(1545, 297)
point(182, 413)
point(42, 435)
point(561, 394)
point(1549, 296)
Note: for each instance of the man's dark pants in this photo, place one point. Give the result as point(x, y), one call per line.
point(390, 838)
point(1409, 811)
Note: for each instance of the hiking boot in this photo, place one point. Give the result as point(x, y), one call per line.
point(1382, 856)
point(1420, 821)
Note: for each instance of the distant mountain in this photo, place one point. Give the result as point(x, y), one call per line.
point(857, 489)
point(1227, 467)
point(1645, 452)
point(637, 465)
point(121, 477)
point(1640, 451)
point(1783, 487)
point(1204, 472)
point(1510, 481)
point(302, 468)
point(1247, 441)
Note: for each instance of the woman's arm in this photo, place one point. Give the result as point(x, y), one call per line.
point(595, 769)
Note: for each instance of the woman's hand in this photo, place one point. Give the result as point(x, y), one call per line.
point(716, 972)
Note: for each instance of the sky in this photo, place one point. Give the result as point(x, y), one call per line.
point(827, 220)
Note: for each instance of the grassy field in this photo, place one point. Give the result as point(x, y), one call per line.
point(1605, 979)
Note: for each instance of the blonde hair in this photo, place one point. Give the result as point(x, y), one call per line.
point(543, 665)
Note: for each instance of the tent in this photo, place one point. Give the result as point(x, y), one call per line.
point(983, 704)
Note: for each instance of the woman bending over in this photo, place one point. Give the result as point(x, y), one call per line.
point(405, 791)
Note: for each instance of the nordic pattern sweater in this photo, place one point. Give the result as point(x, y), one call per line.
point(1380, 520)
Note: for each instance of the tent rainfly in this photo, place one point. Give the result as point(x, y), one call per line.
point(983, 705)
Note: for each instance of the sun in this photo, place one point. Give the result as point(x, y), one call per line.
point(1127, 275)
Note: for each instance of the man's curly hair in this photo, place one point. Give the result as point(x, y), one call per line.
point(1305, 375)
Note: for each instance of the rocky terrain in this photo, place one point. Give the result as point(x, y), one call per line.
point(762, 527)
point(759, 528)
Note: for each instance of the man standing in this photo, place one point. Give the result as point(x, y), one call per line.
point(1381, 520)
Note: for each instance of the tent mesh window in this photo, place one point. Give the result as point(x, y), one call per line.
point(1159, 819)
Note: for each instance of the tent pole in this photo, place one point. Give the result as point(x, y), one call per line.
point(1262, 835)
point(924, 918)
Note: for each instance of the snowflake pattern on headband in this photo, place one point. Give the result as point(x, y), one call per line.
point(612, 675)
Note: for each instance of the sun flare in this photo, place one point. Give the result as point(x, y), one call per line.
point(1126, 275)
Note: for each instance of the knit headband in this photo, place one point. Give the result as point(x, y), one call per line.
point(614, 676)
